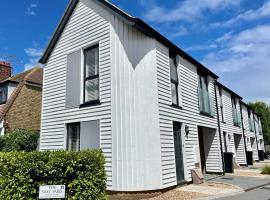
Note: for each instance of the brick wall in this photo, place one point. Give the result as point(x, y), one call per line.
point(25, 112)
point(5, 70)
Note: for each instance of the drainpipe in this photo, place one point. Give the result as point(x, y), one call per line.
point(243, 128)
point(256, 134)
point(219, 129)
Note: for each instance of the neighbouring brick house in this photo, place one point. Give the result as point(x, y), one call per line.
point(20, 98)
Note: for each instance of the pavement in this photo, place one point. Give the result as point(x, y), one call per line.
point(254, 188)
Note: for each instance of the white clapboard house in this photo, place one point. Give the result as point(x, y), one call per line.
point(113, 82)
point(249, 130)
point(233, 139)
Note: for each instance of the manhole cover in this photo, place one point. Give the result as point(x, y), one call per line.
point(226, 178)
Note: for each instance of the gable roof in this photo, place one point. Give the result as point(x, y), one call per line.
point(34, 75)
point(133, 21)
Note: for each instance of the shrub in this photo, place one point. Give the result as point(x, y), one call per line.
point(19, 140)
point(266, 170)
point(83, 173)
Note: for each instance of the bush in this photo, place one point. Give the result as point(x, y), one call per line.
point(83, 173)
point(266, 170)
point(19, 140)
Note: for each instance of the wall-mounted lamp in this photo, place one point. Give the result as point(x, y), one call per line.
point(229, 136)
point(187, 130)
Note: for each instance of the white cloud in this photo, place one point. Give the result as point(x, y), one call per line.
point(243, 62)
point(31, 10)
point(202, 47)
point(187, 10)
point(249, 15)
point(34, 55)
point(180, 31)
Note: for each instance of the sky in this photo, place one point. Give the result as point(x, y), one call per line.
point(231, 37)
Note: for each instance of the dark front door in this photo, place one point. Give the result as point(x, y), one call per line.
point(202, 153)
point(178, 152)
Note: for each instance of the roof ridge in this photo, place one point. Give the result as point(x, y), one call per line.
point(31, 71)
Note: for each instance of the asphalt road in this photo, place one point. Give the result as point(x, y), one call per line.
point(255, 188)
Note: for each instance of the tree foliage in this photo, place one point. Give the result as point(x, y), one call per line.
point(264, 110)
point(19, 140)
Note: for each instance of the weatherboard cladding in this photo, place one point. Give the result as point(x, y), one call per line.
point(136, 22)
point(249, 134)
point(189, 116)
point(135, 122)
point(229, 126)
point(87, 25)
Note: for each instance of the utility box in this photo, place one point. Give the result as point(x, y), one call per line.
point(249, 157)
point(228, 162)
point(261, 155)
point(197, 176)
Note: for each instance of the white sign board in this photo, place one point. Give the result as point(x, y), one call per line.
point(52, 192)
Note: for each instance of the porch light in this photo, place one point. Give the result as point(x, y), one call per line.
point(187, 130)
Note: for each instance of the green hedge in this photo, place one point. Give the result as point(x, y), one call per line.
point(19, 140)
point(21, 173)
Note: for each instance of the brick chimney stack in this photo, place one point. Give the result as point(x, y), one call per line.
point(5, 70)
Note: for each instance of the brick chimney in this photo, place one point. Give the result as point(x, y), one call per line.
point(5, 70)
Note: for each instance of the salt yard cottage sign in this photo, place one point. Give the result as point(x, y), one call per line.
point(52, 192)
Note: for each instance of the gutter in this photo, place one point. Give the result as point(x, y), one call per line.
point(219, 129)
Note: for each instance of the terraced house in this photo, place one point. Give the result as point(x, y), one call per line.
point(20, 98)
point(113, 82)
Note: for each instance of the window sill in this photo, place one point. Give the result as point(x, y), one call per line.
point(90, 103)
point(237, 126)
point(206, 114)
point(176, 106)
point(4, 102)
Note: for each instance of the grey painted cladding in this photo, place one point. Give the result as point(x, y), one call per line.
point(73, 85)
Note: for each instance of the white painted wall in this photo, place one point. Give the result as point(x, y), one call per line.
point(230, 128)
point(188, 115)
point(135, 123)
point(88, 25)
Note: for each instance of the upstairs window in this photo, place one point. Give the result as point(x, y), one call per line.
point(3, 94)
point(250, 121)
point(236, 113)
point(174, 80)
point(221, 105)
point(205, 98)
point(91, 74)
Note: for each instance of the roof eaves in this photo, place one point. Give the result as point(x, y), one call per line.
point(136, 22)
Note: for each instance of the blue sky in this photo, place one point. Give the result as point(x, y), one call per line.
point(231, 37)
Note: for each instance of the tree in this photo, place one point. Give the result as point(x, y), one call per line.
point(264, 110)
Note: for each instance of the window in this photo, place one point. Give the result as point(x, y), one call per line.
point(250, 121)
point(83, 135)
point(225, 141)
point(205, 99)
point(3, 94)
point(91, 74)
point(236, 114)
point(73, 133)
point(174, 80)
point(221, 105)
